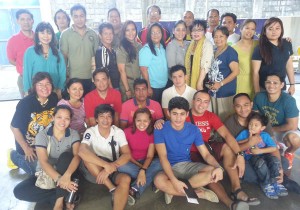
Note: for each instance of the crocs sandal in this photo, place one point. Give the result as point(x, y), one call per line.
point(239, 205)
point(249, 201)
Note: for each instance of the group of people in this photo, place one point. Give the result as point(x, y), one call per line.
point(127, 108)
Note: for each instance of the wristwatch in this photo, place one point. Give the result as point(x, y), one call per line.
point(240, 153)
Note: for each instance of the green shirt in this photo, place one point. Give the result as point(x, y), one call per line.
point(80, 51)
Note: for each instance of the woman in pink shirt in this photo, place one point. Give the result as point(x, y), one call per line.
point(143, 166)
point(72, 97)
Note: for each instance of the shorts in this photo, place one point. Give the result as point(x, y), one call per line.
point(185, 170)
point(213, 147)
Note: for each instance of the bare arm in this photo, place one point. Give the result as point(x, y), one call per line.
point(291, 75)
point(28, 150)
point(255, 74)
point(234, 67)
point(91, 122)
point(125, 156)
point(291, 124)
point(257, 151)
point(201, 78)
point(124, 80)
point(145, 75)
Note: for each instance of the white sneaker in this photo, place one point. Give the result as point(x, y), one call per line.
point(168, 198)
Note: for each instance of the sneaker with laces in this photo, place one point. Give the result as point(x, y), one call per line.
point(280, 189)
point(290, 157)
point(270, 192)
point(168, 198)
point(134, 193)
point(130, 200)
point(10, 163)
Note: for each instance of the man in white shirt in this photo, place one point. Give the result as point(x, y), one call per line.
point(213, 17)
point(229, 21)
point(180, 88)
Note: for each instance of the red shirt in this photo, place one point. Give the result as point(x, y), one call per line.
point(16, 47)
point(93, 99)
point(206, 123)
point(138, 143)
point(130, 106)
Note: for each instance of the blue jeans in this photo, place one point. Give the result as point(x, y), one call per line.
point(133, 170)
point(157, 94)
point(19, 160)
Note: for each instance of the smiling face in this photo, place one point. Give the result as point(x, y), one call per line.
point(213, 18)
point(273, 31)
point(25, 22)
point(43, 88)
point(273, 85)
point(200, 103)
point(197, 32)
point(243, 106)
point(142, 121)
point(153, 15)
point(248, 31)
point(62, 119)
point(104, 120)
point(114, 19)
point(45, 37)
point(220, 39)
point(179, 32)
point(130, 32)
point(75, 91)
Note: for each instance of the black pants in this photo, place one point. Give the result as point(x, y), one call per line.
point(27, 191)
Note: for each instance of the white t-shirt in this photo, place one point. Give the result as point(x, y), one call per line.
point(208, 36)
point(100, 145)
point(233, 38)
point(171, 92)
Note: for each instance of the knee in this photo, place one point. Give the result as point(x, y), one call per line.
point(226, 152)
point(159, 180)
point(258, 163)
point(125, 179)
point(19, 192)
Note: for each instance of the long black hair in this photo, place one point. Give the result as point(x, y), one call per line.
point(126, 44)
point(38, 48)
point(149, 40)
point(65, 94)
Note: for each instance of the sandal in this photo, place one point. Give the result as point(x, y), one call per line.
point(249, 201)
point(239, 205)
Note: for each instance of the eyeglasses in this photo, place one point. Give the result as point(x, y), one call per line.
point(198, 30)
point(272, 83)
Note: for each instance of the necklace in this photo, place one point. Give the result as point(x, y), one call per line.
point(46, 55)
point(219, 52)
point(43, 104)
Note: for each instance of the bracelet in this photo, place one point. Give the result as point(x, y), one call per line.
point(240, 153)
point(221, 168)
point(221, 84)
point(143, 169)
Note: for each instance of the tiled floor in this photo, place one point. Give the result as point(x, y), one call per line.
point(95, 197)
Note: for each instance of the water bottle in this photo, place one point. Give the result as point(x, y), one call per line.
point(71, 196)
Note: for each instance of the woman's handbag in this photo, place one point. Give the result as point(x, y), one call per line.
point(44, 181)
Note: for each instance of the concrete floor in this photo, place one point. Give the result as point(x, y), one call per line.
point(95, 197)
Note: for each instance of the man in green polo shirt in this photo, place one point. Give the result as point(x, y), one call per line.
point(78, 45)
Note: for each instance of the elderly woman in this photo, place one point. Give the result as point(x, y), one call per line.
point(223, 73)
point(33, 114)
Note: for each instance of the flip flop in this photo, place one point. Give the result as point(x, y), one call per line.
point(249, 201)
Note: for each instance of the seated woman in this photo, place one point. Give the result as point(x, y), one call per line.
point(73, 97)
point(103, 149)
point(60, 164)
point(142, 166)
point(33, 114)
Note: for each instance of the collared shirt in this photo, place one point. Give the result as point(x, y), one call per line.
point(80, 51)
point(16, 47)
point(131, 105)
point(100, 145)
point(176, 53)
point(57, 147)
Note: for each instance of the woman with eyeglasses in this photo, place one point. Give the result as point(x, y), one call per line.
point(153, 62)
point(198, 56)
point(33, 114)
point(44, 57)
point(272, 55)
